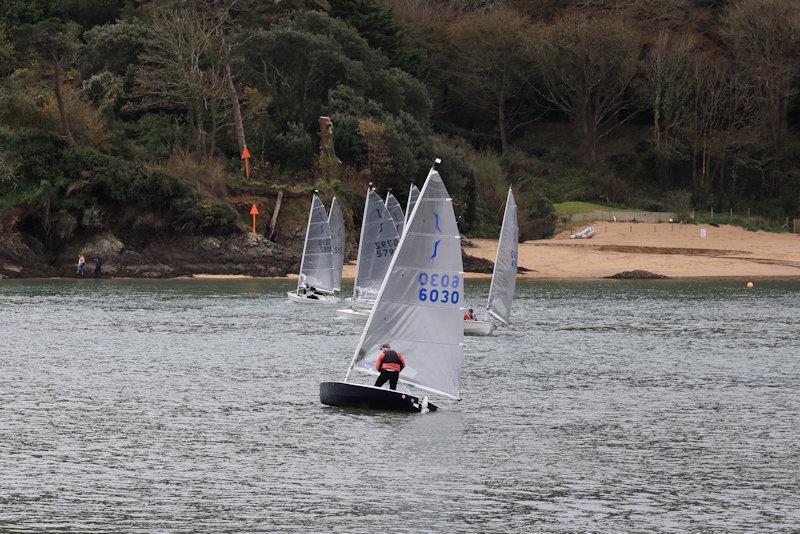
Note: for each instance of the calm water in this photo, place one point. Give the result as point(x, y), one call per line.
point(193, 406)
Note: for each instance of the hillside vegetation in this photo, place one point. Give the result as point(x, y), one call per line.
point(130, 115)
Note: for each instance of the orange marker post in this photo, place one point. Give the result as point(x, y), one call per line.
point(246, 158)
point(254, 212)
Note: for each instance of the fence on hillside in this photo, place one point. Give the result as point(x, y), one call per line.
point(698, 216)
point(621, 216)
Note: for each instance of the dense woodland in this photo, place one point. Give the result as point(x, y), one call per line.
point(126, 113)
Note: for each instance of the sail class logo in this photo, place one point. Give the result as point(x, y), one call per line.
point(436, 218)
point(435, 249)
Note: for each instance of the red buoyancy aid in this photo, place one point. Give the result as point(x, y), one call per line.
point(469, 316)
point(390, 360)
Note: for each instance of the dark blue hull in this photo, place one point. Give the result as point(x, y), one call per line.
point(347, 395)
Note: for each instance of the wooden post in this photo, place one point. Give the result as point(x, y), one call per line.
point(731, 219)
point(274, 220)
point(712, 213)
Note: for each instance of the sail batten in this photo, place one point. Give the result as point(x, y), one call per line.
point(336, 222)
point(419, 306)
point(504, 274)
point(377, 245)
point(316, 265)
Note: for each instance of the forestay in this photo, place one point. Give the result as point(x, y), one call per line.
point(418, 309)
point(336, 222)
point(413, 195)
point(396, 211)
point(316, 267)
point(504, 276)
point(376, 246)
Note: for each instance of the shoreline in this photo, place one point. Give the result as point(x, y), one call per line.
point(677, 251)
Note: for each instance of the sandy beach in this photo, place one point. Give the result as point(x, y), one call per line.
point(673, 250)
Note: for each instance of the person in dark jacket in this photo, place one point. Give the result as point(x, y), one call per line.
point(98, 267)
point(389, 365)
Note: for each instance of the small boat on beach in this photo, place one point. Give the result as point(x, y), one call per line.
point(586, 233)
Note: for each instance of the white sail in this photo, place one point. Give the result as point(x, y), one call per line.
point(316, 267)
point(413, 195)
point(504, 275)
point(376, 247)
point(336, 222)
point(396, 211)
point(418, 309)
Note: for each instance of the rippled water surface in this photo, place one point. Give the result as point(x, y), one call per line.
point(193, 406)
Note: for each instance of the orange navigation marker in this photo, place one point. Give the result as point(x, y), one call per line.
point(253, 212)
point(246, 158)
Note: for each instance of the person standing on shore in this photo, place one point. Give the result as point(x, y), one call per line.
point(81, 264)
point(98, 267)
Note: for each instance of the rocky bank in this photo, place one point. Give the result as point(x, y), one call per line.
point(22, 256)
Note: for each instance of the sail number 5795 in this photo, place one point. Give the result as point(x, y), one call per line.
point(439, 288)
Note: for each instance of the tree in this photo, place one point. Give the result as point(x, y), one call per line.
point(490, 66)
point(723, 116)
point(586, 67)
point(666, 89)
point(377, 25)
point(54, 43)
point(764, 37)
point(180, 68)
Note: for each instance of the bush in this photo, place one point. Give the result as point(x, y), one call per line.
point(206, 217)
point(680, 202)
point(537, 217)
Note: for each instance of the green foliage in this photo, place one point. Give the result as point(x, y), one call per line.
point(113, 47)
point(206, 217)
point(376, 24)
point(537, 218)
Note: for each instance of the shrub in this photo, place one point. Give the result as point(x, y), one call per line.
point(537, 218)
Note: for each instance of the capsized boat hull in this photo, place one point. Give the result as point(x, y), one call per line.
point(306, 299)
point(353, 315)
point(346, 395)
point(479, 328)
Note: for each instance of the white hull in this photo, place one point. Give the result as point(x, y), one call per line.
point(321, 299)
point(353, 315)
point(479, 328)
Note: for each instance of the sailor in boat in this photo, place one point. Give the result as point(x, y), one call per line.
point(470, 315)
point(309, 292)
point(389, 365)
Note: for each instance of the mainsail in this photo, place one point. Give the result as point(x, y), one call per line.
point(418, 309)
point(316, 267)
point(376, 247)
point(336, 222)
point(396, 211)
point(413, 195)
point(504, 276)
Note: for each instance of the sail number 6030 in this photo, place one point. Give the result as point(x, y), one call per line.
point(439, 288)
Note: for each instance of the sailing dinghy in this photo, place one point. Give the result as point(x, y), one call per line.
point(316, 282)
point(418, 311)
point(336, 222)
point(504, 276)
point(376, 247)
